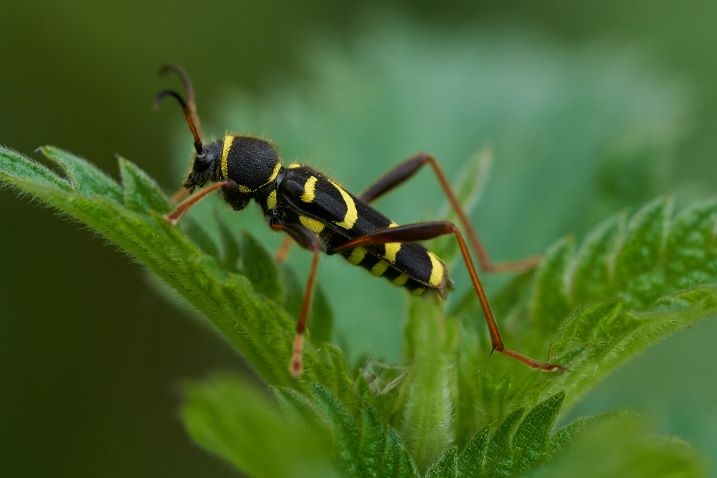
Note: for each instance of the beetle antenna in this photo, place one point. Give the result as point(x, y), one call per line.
point(189, 106)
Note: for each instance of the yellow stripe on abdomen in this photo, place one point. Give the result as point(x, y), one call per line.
point(437, 270)
point(357, 255)
point(400, 281)
point(309, 190)
point(392, 248)
point(379, 268)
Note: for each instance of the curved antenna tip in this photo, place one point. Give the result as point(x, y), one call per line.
point(183, 77)
point(188, 106)
point(171, 93)
point(173, 67)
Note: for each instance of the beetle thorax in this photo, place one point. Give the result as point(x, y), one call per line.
point(249, 162)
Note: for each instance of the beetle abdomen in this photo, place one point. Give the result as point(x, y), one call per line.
point(336, 216)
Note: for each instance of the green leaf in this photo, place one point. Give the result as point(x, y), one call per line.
point(141, 193)
point(632, 282)
point(84, 180)
point(644, 294)
point(230, 247)
point(522, 443)
point(201, 238)
point(691, 252)
point(372, 443)
point(396, 459)
point(550, 302)
point(381, 451)
point(258, 266)
point(499, 455)
point(638, 272)
point(257, 327)
point(301, 406)
point(603, 328)
point(592, 270)
point(472, 458)
point(32, 172)
point(242, 425)
point(430, 386)
point(344, 429)
point(566, 435)
point(446, 466)
point(335, 375)
point(531, 438)
point(618, 446)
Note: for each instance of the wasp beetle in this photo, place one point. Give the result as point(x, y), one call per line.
point(323, 217)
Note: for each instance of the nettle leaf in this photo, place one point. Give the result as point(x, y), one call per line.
point(230, 248)
point(233, 420)
point(472, 459)
point(632, 283)
point(259, 267)
point(446, 466)
point(81, 178)
point(382, 451)
point(521, 443)
point(431, 383)
point(620, 445)
point(344, 428)
point(566, 435)
point(397, 461)
point(364, 445)
point(550, 297)
point(130, 216)
point(140, 191)
point(531, 439)
point(527, 444)
point(372, 442)
point(658, 276)
point(499, 456)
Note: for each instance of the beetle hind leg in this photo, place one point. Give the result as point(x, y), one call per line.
point(429, 230)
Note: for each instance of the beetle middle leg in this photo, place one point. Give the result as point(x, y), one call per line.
point(174, 216)
point(307, 241)
point(405, 170)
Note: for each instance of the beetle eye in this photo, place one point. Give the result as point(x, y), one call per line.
point(202, 161)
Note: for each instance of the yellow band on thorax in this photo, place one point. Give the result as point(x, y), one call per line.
point(228, 140)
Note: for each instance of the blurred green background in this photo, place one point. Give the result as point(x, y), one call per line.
point(92, 357)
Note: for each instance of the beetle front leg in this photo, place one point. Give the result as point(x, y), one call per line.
point(174, 216)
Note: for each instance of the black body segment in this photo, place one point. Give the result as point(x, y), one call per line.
point(319, 204)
